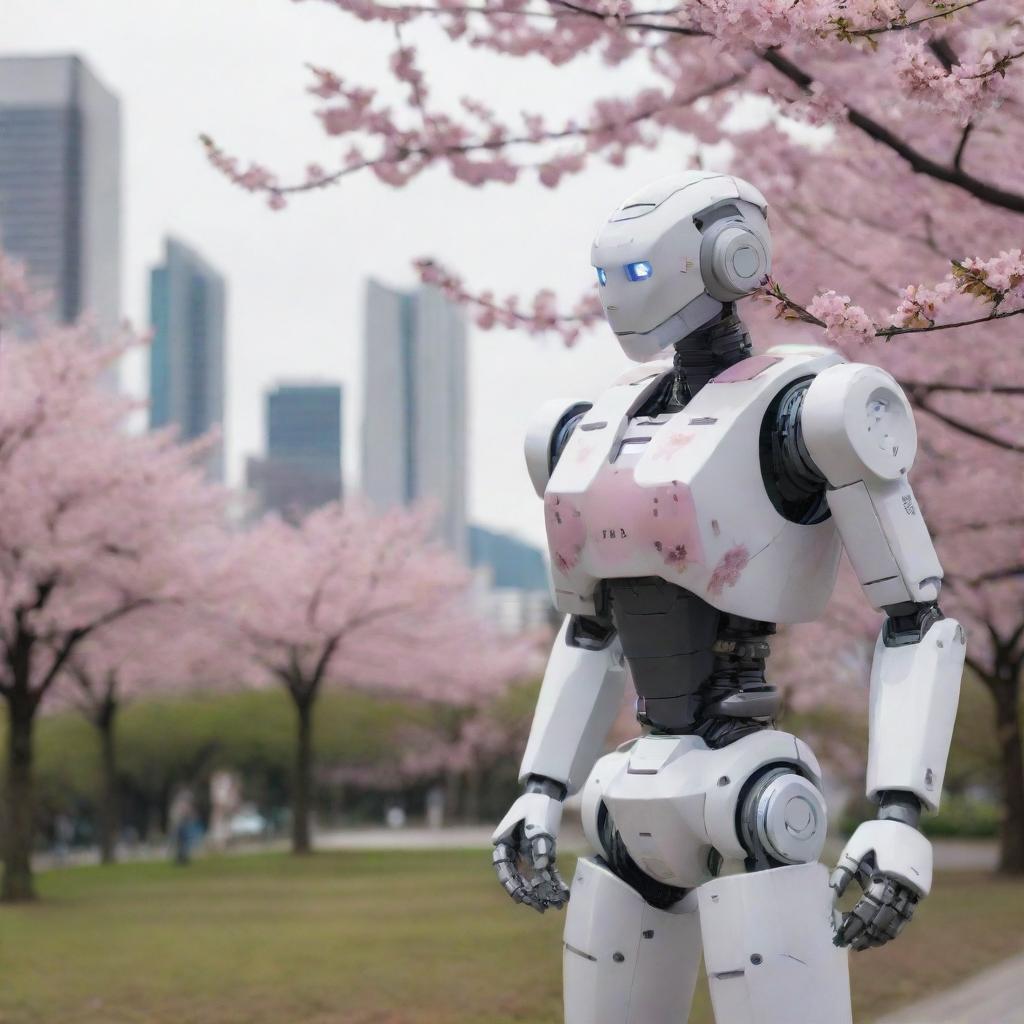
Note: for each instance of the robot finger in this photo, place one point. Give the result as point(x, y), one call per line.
point(857, 922)
point(559, 883)
point(550, 888)
point(840, 880)
point(906, 904)
point(542, 852)
point(504, 860)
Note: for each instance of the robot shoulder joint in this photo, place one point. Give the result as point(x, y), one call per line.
point(546, 436)
point(857, 423)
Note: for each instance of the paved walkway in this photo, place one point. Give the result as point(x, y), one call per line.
point(995, 996)
point(950, 855)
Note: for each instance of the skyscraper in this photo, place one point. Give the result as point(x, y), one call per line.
point(186, 361)
point(302, 467)
point(60, 182)
point(414, 400)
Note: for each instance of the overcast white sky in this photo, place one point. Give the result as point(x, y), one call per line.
point(236, 69)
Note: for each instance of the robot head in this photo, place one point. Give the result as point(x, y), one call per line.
point(673, 253)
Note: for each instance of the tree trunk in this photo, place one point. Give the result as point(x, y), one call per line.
point(452, 794)
point(471, 809)
point(302, 783)
point(109, 811)
point(1005, 690)
point(17, 884)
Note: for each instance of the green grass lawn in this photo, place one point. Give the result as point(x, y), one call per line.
point(371, 938)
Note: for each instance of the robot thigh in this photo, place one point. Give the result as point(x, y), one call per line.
point(624, 961)
point(768, 948)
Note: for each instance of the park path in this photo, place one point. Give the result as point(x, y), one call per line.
point(950, 855)
point(995, 996)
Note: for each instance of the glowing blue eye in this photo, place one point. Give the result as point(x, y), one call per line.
point(602, 276)
point(639, 271)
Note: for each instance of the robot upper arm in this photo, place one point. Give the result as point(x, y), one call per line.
point(547, 435)
point(859, 429)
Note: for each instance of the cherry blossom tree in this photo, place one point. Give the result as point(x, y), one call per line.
point(92, 526)
point(162, 648)
point(888, 147)
point(348, 597)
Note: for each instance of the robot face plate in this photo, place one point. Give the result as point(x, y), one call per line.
point(650, 265)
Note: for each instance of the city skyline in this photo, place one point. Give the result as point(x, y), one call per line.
point(296, 277)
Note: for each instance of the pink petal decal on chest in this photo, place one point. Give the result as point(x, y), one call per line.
point(671, 525)
point(728, 570)
point(566, 532)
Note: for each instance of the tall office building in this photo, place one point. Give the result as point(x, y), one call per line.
point(302, 466)
point(60, 182)
point(186, 360)
point(414, 400)
point(511, 581)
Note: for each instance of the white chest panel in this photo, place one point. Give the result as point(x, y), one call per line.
point(682, 497)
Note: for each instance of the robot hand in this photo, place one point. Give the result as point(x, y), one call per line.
point(892, 863)
point(524, 848)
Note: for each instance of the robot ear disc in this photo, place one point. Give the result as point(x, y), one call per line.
point(737, 265)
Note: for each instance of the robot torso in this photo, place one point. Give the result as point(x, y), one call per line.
point(684, 497)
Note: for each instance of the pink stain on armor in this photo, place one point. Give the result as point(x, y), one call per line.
point(729, 567)
point(669, 444)
point(745, 369)
point(566, 532)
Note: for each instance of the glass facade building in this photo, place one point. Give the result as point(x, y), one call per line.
point(186, 369)
point(414, 406)
point(302, 466)
point(60, 182)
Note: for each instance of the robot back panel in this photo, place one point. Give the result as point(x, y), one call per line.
point(681, 496)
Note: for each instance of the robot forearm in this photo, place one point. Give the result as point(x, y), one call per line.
point(915, 685)
point(579, 698)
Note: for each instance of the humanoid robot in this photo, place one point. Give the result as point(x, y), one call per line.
point(694, 505)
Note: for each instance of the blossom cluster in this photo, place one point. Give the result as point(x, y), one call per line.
point(965, 89)
point(997, 282)
point(541, 317)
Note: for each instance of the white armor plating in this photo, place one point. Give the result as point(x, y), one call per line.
point(624, 961)
point(676, 803)
point(914, 692)
point(680, 496)
point(579, 699)
point(768, 948)
point(860, 431)
point(683, 522)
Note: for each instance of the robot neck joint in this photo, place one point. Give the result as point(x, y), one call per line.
point(709, 350)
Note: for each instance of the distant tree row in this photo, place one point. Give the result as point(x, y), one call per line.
point(368, 753)
point(119, 575)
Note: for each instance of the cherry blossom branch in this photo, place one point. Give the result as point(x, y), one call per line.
point(998, 282)
point(918, 161)
point(964, 427)
point(542, 318)
point(405, 154)
point(697, 19)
